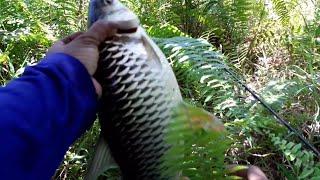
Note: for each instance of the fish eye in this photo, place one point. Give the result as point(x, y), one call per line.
point(107, 2)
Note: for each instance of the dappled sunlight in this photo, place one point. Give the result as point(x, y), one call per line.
point(272, 46)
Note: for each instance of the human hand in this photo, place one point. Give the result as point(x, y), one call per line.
point(84, 47)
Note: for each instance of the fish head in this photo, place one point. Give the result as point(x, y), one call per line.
point(132, 35)
point(112, 11)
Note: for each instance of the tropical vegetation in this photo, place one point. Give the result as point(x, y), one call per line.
point(273, 46)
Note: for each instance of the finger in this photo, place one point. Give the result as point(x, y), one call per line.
point(56, 47)
point(98, 32)
point(70, 38)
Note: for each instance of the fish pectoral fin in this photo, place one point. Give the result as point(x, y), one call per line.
point(102, 160)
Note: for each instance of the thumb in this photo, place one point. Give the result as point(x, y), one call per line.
point(70, 38)
point(98, 32)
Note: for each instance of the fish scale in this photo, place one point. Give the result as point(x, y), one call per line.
point(139, 91)
point(133, 126)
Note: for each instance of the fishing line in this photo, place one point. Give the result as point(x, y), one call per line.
point(275, 114)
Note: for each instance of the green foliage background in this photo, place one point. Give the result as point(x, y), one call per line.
point(273, 45)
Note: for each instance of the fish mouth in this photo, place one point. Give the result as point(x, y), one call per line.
point(123, 18)
point(113, 11)
point(127, 31)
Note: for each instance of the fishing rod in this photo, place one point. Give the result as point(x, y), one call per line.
point(275, 114)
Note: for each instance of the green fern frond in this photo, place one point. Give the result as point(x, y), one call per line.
point(203, 78)
point(201, 72)
point(280, 7)
point(197, 144)
point(28, 28)
point(302, 162)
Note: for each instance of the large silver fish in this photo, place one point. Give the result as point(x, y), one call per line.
point(139, 91)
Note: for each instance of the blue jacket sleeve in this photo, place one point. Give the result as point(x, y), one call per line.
point(41, 114)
